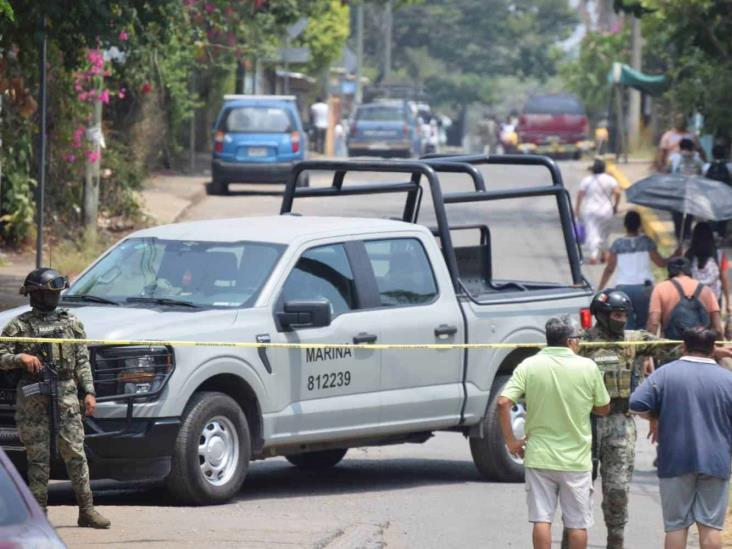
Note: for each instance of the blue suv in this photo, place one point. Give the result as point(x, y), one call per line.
point(257, 139)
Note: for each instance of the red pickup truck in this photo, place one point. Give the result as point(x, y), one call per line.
point(554, 125)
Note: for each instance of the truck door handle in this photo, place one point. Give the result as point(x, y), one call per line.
point(363, 337)
point(445, 330)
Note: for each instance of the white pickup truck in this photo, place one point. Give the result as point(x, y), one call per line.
point(196, 416)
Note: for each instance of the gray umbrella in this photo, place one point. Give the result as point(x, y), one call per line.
point(690, 195)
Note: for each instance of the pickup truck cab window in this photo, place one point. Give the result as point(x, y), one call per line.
point(403, 273)
point(322, 273)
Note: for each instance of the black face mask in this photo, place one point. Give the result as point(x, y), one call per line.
point(613, 327)
point(45, 300)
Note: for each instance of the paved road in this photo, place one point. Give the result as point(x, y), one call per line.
point(411, 496)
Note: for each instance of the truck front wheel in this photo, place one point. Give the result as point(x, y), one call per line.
point(212, 451)
point(490, 453)
point(324, 459)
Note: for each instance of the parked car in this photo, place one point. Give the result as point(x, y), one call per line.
point(554, 125)
point(22, 522)
point(257, 139)
point(196, 416)
point(387, 128)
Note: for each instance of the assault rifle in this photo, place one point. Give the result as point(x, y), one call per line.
point(49, 387)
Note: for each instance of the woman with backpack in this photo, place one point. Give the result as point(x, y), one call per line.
point(597, 202)
point(708, 264)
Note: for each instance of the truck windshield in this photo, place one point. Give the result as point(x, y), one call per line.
point(175, 272)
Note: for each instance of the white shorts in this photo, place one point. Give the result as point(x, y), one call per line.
point(573, 490)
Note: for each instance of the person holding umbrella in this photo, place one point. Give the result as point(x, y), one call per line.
point(597, 202)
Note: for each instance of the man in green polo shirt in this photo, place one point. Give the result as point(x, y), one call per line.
point(561, 389)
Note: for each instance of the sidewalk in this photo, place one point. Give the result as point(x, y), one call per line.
point(166, 198)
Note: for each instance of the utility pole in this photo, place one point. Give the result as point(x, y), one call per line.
point(359, 52)
point(41, 189)
point(388, 23)
point(634, 96)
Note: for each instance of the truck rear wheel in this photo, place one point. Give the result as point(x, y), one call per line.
point(324, 459)
point(490, 453)
point(212, 451)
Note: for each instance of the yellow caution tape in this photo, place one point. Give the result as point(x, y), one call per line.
point(375, 346)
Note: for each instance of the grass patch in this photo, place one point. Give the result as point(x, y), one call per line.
point(72, 256)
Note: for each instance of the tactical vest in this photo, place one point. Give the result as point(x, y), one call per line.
point(618, 370)
point(62, 354)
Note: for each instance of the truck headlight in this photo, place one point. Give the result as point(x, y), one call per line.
point(132, 370)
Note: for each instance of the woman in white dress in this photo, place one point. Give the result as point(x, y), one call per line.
point(597, 203)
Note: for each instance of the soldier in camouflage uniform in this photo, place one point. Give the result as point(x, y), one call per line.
point(45, 320)
point(622, 372)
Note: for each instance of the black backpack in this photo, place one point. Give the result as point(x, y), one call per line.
point(688, 313)
point(719, 171)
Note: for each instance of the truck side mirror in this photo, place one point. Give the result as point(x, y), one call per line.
point(305, 314)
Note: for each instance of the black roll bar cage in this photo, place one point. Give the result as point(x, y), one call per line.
point(428, 168)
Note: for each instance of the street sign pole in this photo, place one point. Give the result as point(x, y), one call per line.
point(41, 187)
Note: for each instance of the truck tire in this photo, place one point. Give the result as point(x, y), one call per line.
point(324, 459)
point(211, 454)
point(217, 187)
point(490, 453)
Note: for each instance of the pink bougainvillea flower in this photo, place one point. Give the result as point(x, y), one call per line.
point(104, 96)
point(77, 135)
point(123, 36)
point(93, 156)
point(70, 158)
point(121, 93)
point(209, 7)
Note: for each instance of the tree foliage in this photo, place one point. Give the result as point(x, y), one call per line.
point(691, 41)
point(474, 41)
point(587, 74)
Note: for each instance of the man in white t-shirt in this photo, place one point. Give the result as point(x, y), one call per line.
point(319, 121)
point(597, 202)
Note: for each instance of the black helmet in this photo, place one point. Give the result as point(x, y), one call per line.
point(44, 279)
point(606, 302)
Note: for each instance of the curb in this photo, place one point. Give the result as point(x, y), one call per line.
point(653, 226)
point(194, 199)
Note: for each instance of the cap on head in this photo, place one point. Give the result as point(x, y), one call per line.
point(44, 279)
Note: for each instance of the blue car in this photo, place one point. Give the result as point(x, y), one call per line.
point(387, 128)
point(257, 139)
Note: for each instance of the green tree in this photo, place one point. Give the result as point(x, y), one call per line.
point(587, 74)
point(326, 33)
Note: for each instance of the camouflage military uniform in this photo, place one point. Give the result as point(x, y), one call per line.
point(32, 412)
point(616, 433)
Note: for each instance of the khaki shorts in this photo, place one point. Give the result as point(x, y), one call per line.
point(573, 490)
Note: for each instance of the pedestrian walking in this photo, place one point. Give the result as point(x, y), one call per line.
point(689, 404)
point(319, 122)
point(681, 302)
point(597, 202)
point(684, 162)
point(561, 389)
point(709, 264)
point(719, 169)
point(671, 139)
point(630, 258)
point(44, 287)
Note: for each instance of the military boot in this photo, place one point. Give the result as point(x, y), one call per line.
point(90, 517)
point(615, 538)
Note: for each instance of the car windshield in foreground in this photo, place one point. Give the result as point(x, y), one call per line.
point(380, 114)
point(559, 104)
point(258, 120)
point(178, 273)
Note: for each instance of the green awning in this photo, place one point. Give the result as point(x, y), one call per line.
point(627, 76)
